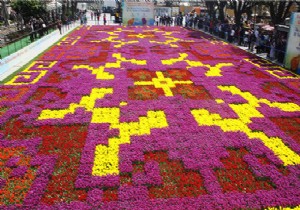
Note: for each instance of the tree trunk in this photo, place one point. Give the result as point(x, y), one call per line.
point(222, 5)
point(5, 13)
point(211, 9)
point(73, 6)
point(249, 13)
point(237, 12)
point(63, 8)
point(68, 8)
point(240, 7)
point(238, 16)
point(279, 11)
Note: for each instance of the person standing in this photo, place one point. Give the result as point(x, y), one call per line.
point(98, 16)
point(92, 15)
point(186, 20)
point(144, 21)
point(31, 27)
point(117, 17)
point(231, 35)
point(272, 50)
point(104, 19)
point(59, 25)
point(156, 20)
point(252, 40)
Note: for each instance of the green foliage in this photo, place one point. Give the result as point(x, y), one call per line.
point(29, 8)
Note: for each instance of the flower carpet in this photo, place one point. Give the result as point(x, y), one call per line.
point(149, 118)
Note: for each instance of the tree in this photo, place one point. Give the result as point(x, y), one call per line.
point(66, 10)
point(240, 7)
point(279, 10)
point(168, 3)
point(29, 8)
point(221, 6)
point(63, 9)
point(211, 8)
point(73, 7)
point(4, 12)
point(119, 5)
point(214, 6)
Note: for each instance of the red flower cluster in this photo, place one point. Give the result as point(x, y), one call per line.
point(236, 176)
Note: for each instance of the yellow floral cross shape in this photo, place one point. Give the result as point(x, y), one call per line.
point(164, 83)
point(114, 38)
point(100, 71)
point(214, 71)
point(106, 161)
point(246, 112)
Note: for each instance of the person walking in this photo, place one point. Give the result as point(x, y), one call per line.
point(59, 25)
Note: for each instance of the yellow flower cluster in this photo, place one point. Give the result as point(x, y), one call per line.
point(107, 157)
point(100, 71)
point(246, 112)
point(164, 83)
point(69, 40)
point(170, 40)
point(274, 70)
point(113, 38)
point(119, 57)
point(171, 61)
point(41, 70)
point(214, 71)
point(283, 208)
point(87, 102)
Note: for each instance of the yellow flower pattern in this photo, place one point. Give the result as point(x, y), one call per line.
point(246, 112)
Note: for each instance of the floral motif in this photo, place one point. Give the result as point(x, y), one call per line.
point(118, 117)
point(148, 85)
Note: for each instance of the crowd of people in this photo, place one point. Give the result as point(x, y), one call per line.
point(163, 20)
point(95, 15)
point(38, 27)
point(247, 34)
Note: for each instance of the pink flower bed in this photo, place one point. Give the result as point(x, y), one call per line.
point(149, 118)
